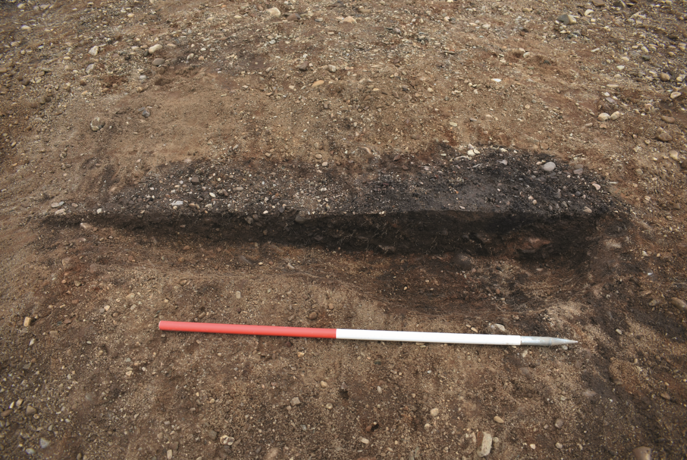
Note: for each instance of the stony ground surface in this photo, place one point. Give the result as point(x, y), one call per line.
point(494, 167)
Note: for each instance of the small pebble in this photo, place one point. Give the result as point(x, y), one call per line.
point(485, 448)
point(312, 316)
point(44, 443)
point(498, 419)
point(558, 423)
point(30, 410)
point(27, 321)
point(158, 62)
point(238, 294)
point(295, 401)
point(93, 51)
point(154, 48)
point(434, 412)
point(559, 445)
point(603, 116)
point(679, 303)
point(642, 453)
point(549, 166)
point(323, 384)
point(274, 12)
point(664, 136)
point(664, 76)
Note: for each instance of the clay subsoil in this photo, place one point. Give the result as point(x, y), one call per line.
point(408, 165)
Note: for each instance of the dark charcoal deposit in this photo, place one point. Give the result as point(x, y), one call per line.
point(497, 202)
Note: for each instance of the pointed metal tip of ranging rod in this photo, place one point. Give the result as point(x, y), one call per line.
point(545, 341)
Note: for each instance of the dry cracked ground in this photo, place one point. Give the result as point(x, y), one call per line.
point(455, 166)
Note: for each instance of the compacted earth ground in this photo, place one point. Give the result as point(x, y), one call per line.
point(495, 167)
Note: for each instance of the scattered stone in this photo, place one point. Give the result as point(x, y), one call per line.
point(667, 119)
point(90, 68)
point(434, 412)
point(599, 3)
point(679, 303)
point(665, 396)
point(364, 440)
point(226, 440)
point(349, 20)
point(332, 68)
point(559, 445)
point(642, 453)
point(96, 124)
point(30, 410)
point(195, 180)
point(603, 117)
point(238, 294)
point(177, 203)
point(324, 384)
point(485, 447)
point(44, 443)
point(664, 136)
point(566, 19)
point(158, 62)
point(674, 155)
point(30, 451)
point(329, 406)
point(498, 419)
point(27, 321)
point(675, 94)
point(295, 401)
point(589, 393)
point(664, 76)
point(615, 115)
point(317, 83)
point(312, 316)
point(303, 66)
point(274, 12)
point(558, 423)
point(154, 48)
point(56, 204)
point(549, 166)
point(93, 51)
point(293, 17)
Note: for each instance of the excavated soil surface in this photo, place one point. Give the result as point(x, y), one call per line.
point(479, 167)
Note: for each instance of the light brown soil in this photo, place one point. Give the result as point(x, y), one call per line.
point(306, 170)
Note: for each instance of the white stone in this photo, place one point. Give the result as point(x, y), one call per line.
point(93, 51)
point(604, 116)
point(274, 12)
point(485, 448)
point(549, 166)
point(154, 48)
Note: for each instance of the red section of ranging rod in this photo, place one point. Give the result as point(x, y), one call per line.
point(244, 329)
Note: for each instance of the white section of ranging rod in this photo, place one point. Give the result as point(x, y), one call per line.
point(446, 337)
